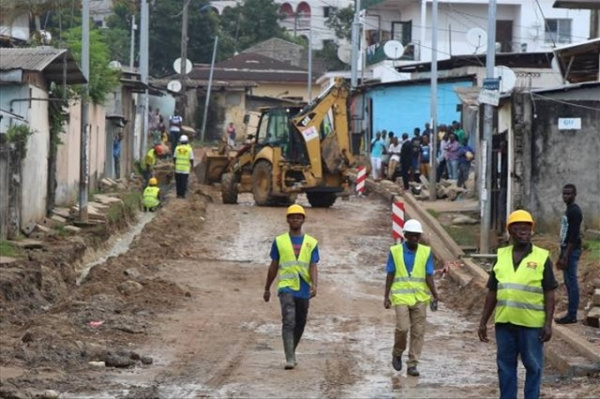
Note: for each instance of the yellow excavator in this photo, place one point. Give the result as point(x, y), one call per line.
point(294, 150)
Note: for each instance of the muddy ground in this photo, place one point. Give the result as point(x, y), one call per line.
point(181, 315)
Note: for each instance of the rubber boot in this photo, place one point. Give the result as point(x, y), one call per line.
point(288, 347)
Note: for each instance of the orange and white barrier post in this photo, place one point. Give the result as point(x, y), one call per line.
point(398, 221)
point(361, 180)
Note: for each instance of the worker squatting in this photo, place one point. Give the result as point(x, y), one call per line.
point(521, 290)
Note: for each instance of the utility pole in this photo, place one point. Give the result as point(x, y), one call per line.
point(434, 95)
point(310, 43)
point(83, 147)
point(209, 88)
point(183, 64)
point(486, 144)
point(144, 31)
point(132, 44)
point(355, 46)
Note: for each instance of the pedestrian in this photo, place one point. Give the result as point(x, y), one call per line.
point(406, 160)
point(175, 122)
point(294, 258)
point(151, 196)
point(408, 285)
point(377, 151)
point(441, 171)
point(521, 289)
point(451, 154)
point(427, 130)
point(231, 135)
point(416, 155)
point(459, 133)
point(465, 157)
point(570, 251)
point(148, 163)
point(385, 158)
point(117, 154)
point(184, 161)
point(394, 151)
point(424, 156)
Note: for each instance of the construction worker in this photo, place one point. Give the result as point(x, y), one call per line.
point(521, 289)
point(407, 287)
point(151, 196)
point(294, 258)
point(184, 161)
point(148, 163)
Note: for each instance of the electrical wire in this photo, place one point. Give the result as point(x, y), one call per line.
point(564, 102)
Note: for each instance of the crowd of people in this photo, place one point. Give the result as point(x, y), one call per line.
point(410, 157)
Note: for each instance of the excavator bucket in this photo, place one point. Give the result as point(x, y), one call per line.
point(213, 164)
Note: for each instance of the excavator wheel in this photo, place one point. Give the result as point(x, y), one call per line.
point(262, 183)
point(229, 191)
point(321, 199)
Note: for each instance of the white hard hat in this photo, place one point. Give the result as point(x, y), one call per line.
point(183, 138)
point(413, 226)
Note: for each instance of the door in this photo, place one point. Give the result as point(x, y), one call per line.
point(504, 35)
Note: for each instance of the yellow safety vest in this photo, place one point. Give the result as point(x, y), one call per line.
point(149, 160)
point(520, 294)
point(290, 267)
point(150, 197)
point(183, 154)
point(410, 289)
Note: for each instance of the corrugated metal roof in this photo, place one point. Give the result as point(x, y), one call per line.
point(46, 60)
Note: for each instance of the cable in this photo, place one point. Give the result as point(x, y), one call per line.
point(564, 102)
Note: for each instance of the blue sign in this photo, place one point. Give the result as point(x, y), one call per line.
point(491, 83)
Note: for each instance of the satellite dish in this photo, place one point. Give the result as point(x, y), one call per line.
point(174, 86)
point(393, 49)
point(115, 65)
point(177, 66)
point(477, 38)
point(508, 79)
point(344, 53)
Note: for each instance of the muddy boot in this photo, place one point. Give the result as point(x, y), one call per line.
point(288, 347)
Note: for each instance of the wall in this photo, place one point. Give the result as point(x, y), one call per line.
point(4, 183)
point(401, 108)
point(565, 156)
point(279, 90)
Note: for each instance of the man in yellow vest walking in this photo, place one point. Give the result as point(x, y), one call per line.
point(407, 287)
point(521, 289)
point(184, 161)
point(151, 195)
point(294, 258)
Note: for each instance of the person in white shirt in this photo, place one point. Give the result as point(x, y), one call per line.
point(394, 152)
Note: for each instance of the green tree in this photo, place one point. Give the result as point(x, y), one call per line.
point(118, 34)
point(341, 22)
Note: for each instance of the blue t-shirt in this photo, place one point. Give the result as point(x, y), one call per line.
point(425, 149)
point(304, 291)
point(377, 147)
point(409, 262)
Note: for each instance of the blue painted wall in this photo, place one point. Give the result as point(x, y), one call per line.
point(402, 108)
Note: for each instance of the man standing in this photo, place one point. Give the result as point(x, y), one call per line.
point(407, 286)
point(424, 156)
point(570, 251)
point(184, 161)
point(394, 151)
point(521, 288)
point(117, 154)
point(231, 135)
point(377, 150)
point(406, 159)
point(175, 123)
point(465, 156)
point(294, 258)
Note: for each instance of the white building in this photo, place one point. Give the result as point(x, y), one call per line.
point(521, 26)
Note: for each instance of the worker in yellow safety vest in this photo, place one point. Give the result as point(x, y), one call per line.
point(149, 162)
point(294, 258)
point(408, 285)
point(151, 196)
point(184, 161)
point(521, 289)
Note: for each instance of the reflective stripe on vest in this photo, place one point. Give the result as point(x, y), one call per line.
point(150, 197)
point(520, 296)
point(410, 289)
point(290, 267)
point(183, 154)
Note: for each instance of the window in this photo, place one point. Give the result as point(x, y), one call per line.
point(402, 31)
point(328, 11)
point(557, 31)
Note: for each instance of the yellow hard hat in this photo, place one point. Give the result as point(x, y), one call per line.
point(153, 181)
point(295, 210)
point(520, 216)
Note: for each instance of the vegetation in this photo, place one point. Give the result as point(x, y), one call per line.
point(8, 249)
point(594, 247)
point(19, 136)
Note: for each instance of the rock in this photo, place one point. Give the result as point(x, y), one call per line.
point(58, 219)
point(94, 351)
point(132, 272)
point(42, 229)
point(62, 212)
point(50, 394)
point(118, 361)
point(464, 220)
point(147, 360)
point(73, 229)
point(27, 337)
point(29, 228)
point(593, 317)
point(134, 355)
point(130, 287)
point(596, 297)
point(5, 260)
point(97, 364)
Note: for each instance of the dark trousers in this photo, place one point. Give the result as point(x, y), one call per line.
point(463, 173)
point(293, 315)
point(440, 170)
point(405, 175)
point(117, 167)
point(181, 182)
point(571, 283)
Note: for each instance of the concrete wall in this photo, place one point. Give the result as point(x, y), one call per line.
point(286, 90)
point(564, 156)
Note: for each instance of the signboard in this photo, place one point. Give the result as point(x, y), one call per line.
point(490, 97)
point(491, 84)
point(310, 134)
point(569, 123)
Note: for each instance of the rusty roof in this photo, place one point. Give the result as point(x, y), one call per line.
point(46, 60)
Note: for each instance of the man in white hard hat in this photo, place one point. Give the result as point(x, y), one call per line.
point(408, 287)
point(184, 161)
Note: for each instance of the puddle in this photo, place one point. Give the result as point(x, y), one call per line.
point(120, 246)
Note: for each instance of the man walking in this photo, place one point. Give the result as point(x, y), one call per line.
point(175, 122)
point(521, 289)
point(184, 161)
point(570, 251)
point(408, 283)
point(377, 150)
point(294, 258)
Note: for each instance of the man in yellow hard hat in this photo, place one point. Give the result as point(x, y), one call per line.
point(151, 196)
point(521, 289)
point(409, 287)
point(294, 258)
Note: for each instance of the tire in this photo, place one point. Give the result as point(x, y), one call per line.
point(229, 191)
point(321, 199)
point(262, 183)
